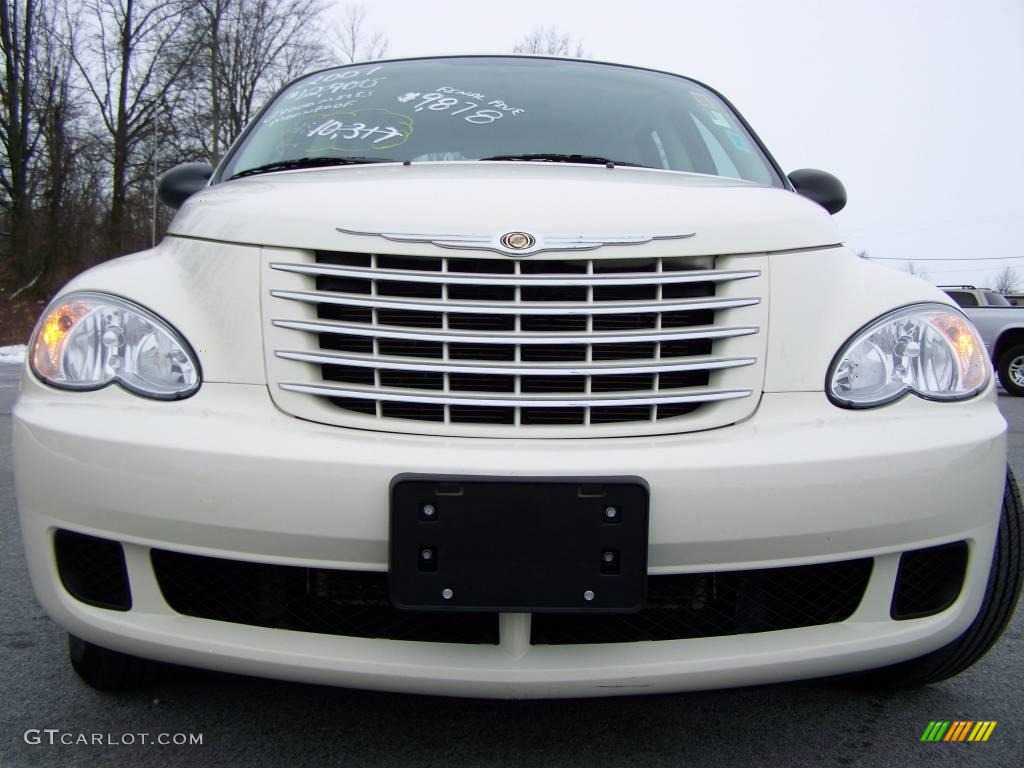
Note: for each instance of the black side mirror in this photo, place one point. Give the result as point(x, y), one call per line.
point(183, 181)
point(821, 187)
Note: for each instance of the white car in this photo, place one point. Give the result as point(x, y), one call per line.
point(512, 377)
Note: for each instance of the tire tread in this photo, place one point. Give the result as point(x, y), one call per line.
point(108, 670)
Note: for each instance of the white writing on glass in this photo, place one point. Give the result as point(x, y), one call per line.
point(438, 102)
point(503, 106)
point(335, 82)
point(348, 74)
point(313, 106)
point(332, 129)
point(474, 95)
point(455, 92)
point(314, 91)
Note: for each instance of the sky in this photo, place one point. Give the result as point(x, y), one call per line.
point(916, 105)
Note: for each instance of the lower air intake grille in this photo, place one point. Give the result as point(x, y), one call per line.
point(327, 602)
point(92, 570)
point(356, 603)
point(718, 604)
point(929, 580)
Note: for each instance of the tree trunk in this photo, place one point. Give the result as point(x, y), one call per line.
point(17, 43)
point(115, 231)
point(215, 80)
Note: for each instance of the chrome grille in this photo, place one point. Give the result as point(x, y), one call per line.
point(541, 342)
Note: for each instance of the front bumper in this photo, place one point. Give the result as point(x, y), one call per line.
point(224, 474)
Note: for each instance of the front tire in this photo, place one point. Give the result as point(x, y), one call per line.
point(1011, 370)
point(107, 670)
point(1001, 594)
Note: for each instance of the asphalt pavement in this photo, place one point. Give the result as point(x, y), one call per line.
point(252, 722)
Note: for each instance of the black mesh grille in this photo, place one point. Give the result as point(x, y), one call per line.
point(356, 603)
point(317, 600)
point(718, 604)
point(92, 570)
point(929, 580)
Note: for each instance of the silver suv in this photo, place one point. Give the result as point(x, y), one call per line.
point(1001, 325)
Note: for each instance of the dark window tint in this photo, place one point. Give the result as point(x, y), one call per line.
point(963, 298)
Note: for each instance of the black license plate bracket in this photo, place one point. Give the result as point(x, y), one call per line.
point(518, 544)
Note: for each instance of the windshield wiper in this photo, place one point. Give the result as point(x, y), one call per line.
point(554, 157)
point(309, 162)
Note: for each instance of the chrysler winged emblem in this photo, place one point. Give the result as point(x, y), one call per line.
point(517, 243)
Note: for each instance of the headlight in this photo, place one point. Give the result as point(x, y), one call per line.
point(929, 350)
point(90, 340)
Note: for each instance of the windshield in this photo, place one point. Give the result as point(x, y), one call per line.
point(477, 108)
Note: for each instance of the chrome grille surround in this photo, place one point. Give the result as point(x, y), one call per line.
point(479, 344)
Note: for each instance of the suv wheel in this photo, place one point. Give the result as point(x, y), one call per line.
point(1011, 370)
point(1001, 593)
point(107, 670)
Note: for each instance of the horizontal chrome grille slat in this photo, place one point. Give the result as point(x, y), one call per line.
point(521, 308)
point(517, 401)
point(474, 337)
point(520, 369)
point(455, 278)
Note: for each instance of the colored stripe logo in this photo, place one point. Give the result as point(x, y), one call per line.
point(958, 730)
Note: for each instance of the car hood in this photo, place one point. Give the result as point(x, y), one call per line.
point(305, 209)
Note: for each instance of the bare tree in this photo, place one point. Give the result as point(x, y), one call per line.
point(357, 43)
point(251, 47)
point(60, 168)
point(49, 187)
point(98, 96)
point(132, 61)
point(1007, 281)
point(211, 14)
point(549, 41)
point(18, 136)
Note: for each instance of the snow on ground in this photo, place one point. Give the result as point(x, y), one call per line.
point(15, 354)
